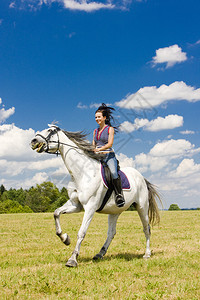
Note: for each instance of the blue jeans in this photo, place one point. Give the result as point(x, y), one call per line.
point(111, 161)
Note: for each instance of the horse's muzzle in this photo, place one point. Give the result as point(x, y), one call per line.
point(38, 146)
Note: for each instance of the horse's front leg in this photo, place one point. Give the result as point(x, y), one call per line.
point(89, 212)
point(112, 221)
point(71, 206)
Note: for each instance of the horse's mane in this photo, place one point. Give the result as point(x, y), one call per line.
point(79, 138)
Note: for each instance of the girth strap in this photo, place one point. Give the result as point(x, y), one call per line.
point(106, 198)
point(110, 187)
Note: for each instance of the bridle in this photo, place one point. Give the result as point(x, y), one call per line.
point(47, 140)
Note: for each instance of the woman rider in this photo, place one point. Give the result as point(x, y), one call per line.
point(103, 139)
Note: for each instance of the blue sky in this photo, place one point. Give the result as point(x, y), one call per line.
point(59, 59)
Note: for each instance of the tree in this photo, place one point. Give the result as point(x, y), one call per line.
point(37, 201)
point(48, 189)
point(9, 206)
point(2, 189)
point(174, 207)
point(42, 197)
point(61, 200)
point(64, 193)
point(17, 195)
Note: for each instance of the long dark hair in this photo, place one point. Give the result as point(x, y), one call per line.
point(107, 112)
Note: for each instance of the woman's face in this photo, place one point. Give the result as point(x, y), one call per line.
point(100, 119)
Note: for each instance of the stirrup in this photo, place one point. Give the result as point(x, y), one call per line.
point(119, 200)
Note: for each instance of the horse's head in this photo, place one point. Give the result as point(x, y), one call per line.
point(46, 140)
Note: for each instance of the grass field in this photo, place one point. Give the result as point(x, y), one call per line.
point(33, 258)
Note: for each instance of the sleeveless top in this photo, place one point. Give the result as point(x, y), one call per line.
point(102, 139)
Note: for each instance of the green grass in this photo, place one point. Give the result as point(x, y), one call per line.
point(33, 258)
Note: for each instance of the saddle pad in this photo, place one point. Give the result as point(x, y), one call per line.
point(124, 179)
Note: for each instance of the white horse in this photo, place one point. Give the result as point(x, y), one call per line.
point(88, 188)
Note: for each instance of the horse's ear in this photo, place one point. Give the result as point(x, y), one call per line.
point(53, 125)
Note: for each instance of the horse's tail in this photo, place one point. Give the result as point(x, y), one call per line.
point(154, 215)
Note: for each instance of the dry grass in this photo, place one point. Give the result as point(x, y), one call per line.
point(33, 258)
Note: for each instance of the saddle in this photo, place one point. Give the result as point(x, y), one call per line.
point(107, 180)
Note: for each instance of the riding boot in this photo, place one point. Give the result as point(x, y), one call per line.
point(119, 199)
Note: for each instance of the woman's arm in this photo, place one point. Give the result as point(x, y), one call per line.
point(110, 141)
point(93, 142)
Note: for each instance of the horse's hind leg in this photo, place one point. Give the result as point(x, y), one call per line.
point(71, 206)
point(112, 221)
point(143, 213)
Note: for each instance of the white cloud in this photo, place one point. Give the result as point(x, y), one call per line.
point(12, 4)
point(181, 189)
point(61, 171)
point(54, 162)
point(151, 96)
point(127, 127)
point(125, 161)
point(163, 153)
point(186, 168)
point(187, 132)
point(158, 124)
point(16, 172)
point(183, 186)
point(130, 127)
point(178, 182)
point(86, 6)
point(81, 106)
point(95, 105)
point(173, 149)
point(169, 55)
point(169, 122)
point(13, 168)
point(15, 142)
point(10, 168)
point(195, 44)
point(5, 114)
point(38, 178)
point(147, 162)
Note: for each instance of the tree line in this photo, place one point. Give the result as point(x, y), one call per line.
point(45, 197)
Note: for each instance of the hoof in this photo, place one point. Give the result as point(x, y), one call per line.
point(98, 256)
point(66, 239)
point(71, 263)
